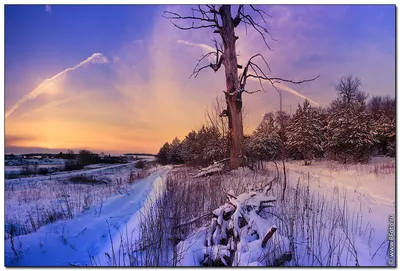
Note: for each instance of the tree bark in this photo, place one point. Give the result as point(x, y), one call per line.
point(233, 101)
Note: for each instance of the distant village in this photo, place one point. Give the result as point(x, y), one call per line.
point(61, 155)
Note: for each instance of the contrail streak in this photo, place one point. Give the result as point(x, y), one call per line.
point(278, 85)
point(292, 91)
point(201, 45)
point(47, 85)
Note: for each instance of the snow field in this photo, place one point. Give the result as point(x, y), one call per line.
point(333, 214)
point(85, 239)
point(33, 202)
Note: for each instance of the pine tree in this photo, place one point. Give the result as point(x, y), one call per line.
point(174, 155)
point(349, 133)
point(383, 114)
point(204, 147)
point(305, 132)
point(190, 150)
point(162, 155)
point(264, 144)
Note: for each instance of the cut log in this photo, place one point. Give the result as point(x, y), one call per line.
point(268, 236)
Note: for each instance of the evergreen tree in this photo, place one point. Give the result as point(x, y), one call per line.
point(349, 133)
point(265, 142)
point(191, 152)
point(162, 155)
point(174, 155)
point(383, 114)
point(305, 132)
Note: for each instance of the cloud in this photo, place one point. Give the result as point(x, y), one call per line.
point(294, 92)
point(48, 8)
point(48, 85)
point(15, 140)
point(205, 47)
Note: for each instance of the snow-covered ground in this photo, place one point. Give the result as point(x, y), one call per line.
point(13, 168)
point(21, 162)
point(337, 214)
point(62, 175)
point(368, 191)
point(85, 238)
point(347, 207)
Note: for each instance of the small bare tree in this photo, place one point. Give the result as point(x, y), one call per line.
point(223, 23)
point(348, 89)
point(214, 119)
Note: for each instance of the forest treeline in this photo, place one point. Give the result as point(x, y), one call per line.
point(351, 129)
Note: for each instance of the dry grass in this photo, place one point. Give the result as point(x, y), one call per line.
point(321, 228)
point(38, 203)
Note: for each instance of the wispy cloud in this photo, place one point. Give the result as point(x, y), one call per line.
point(205, 47)
point(48, 85)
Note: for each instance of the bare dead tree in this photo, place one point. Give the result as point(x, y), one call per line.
point(349, 89)
point(222, 22)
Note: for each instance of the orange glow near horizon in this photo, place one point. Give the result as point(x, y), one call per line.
point(137, 95)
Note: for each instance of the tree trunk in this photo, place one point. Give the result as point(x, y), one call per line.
point(234, 102)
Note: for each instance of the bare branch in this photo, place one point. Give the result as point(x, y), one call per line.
point(237, 19)
point(203, 17)
point(212, 9)
point(253, 66)
point(279, 80)
point(251, 92)
point(261, 13)
point(176, 16)
point(258, 73)
point(191, 27)
point(219, 58)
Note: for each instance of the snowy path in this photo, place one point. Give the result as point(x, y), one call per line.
point(69, 242)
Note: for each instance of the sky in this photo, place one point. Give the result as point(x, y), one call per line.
point(115, 78)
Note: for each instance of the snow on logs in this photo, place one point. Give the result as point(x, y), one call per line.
point(239, 235)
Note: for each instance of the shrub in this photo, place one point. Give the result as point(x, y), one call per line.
point(72, 165)
point(86, 157)
point(43, 171)
point(140, 164)
point(83, 180)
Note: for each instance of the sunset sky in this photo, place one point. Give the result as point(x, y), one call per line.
point(115, 79)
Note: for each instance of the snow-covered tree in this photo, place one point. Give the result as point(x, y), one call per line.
point(383, 114)
point(264, 143)
point(174, 155)
point(162, 155)
point(349, 133)
point(214, 146)
point(203, 147)
point(191, 151)
point(304, 132)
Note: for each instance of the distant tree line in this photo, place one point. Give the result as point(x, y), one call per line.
point(350, 130)
point(85, 157)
